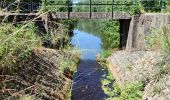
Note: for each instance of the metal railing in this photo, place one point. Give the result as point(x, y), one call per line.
point(28, 7)
point(20, 7)
point(90, 5)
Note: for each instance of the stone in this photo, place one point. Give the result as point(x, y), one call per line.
point(168, 83)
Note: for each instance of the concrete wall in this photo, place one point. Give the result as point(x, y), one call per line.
point(140, 26)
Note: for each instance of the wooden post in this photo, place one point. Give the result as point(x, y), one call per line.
point(68, 6)
point(90, 9)
point(112, 7)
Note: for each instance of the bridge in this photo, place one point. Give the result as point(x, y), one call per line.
point(22, 11)
point(32, 8)
point(118, 9)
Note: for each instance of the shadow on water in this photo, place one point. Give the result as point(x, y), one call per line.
point(87, 80)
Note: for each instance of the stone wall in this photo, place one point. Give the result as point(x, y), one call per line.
point(140, 64)
point(140, 26)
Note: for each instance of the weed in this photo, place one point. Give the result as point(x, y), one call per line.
point(130, 91)
point(16, 47)
point(159, 38)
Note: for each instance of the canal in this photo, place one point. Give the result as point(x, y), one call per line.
point(87, 80)
point(92, 37)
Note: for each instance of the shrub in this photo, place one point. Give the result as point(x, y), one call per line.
point(130, 91)
point(16, 45)
point(159, 39)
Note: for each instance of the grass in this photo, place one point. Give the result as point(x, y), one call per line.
point(102, 58)
point(70, 59)
point(159, 40)
point(130, 91)
point(16, 47)
point(17, 43)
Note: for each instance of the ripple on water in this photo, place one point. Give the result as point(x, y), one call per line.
point(87, 80)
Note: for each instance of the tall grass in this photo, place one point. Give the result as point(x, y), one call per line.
point(16, 47)
point(159, 40)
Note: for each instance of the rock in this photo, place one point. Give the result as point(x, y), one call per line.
point(168, 83)
point(139, 66)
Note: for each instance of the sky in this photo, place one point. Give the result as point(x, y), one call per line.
point(75, 1)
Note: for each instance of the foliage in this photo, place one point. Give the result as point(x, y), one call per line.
point(121, 6)
point(102, 58)
point(159, 39)
point(70, 60)
point(56, 5)
point(69, 23)
point(151, 6)
point(111, 32)
point(107, 30)
point(108, 85)
point(16, 46)
point(130, 91)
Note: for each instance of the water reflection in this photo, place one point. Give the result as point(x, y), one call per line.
point(87, 80)
point(88, 44)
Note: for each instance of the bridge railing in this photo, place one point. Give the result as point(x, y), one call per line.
point(20, 7)
point(61, 6)
point(90, 7)
point(128, 6)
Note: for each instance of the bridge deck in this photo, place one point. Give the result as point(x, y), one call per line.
point(76, 15)
point(94, 15)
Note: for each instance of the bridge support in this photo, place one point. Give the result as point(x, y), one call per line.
point(124, 29)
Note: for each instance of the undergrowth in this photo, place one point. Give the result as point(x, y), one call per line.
point(130, 91)
point(16, 46)
point(70, 60)
point(160, 40)
point(35, 71)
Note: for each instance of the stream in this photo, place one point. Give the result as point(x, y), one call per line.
point(87, 79)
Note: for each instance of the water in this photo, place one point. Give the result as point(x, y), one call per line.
point(88, 44)
point(87, 80)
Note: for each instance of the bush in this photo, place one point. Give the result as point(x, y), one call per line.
point(16, 45)
point(130, 91)
point(159, 39)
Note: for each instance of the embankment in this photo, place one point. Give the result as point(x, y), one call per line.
point(142, 63)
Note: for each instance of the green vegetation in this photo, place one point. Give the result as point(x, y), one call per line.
point(130, 91)
point(102, 58)
point(16, 45)
point(22, 56)
point(71, 63)
point(129, 6)
point(21, 52)
point(132, 7)
point(61, 7)
point(160, 40)
point(107, 30)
